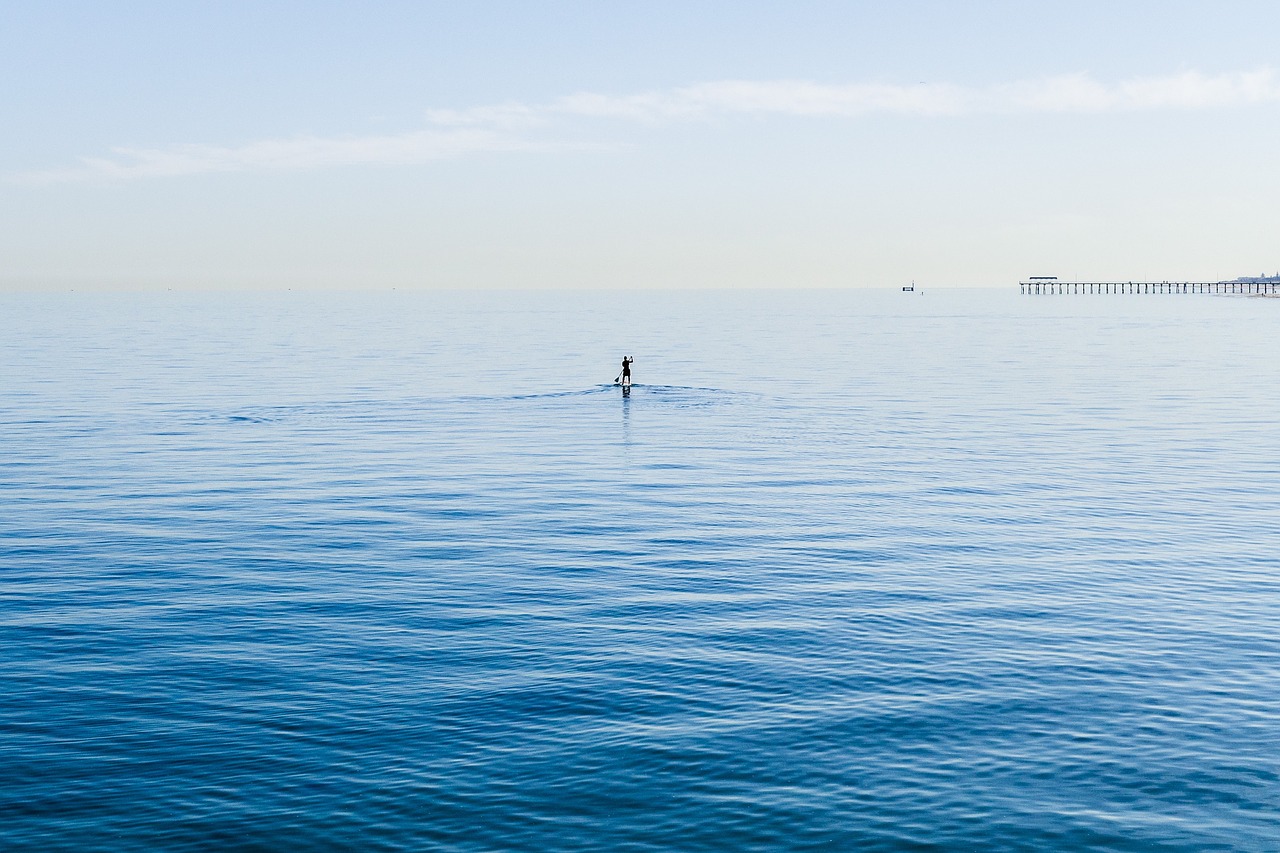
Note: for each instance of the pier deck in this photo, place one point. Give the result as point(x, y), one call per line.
point(1053, 286)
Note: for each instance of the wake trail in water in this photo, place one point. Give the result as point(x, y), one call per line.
point(331, 410)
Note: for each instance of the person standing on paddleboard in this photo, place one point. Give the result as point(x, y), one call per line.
point(625, 376)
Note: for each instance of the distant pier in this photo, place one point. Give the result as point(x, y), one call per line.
point(1054, 286)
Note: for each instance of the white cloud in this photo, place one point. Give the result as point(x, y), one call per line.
point(1188, 90)
point(1069, 93)
point(785, 97)
point(297, 154)
point(514, 126)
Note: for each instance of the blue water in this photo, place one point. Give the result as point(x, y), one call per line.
point(865, 570)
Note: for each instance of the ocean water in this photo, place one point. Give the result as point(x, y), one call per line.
point(860, 570)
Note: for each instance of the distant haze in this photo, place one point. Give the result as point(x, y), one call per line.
point(654, 145)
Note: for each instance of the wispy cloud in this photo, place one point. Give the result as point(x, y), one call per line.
point(1189, 90)
point(297, 154)
point(785, 97)
point(525, 127)
point(1066, 93)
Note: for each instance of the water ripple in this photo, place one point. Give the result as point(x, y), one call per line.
point(883, 579)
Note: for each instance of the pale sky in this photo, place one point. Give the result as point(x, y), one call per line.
point(629, 145)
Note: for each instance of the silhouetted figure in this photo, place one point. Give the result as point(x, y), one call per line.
point(625, 375)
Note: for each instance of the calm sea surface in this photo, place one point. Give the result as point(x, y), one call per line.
point(847, 571)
